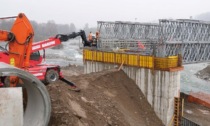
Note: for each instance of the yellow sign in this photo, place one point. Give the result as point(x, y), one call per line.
point(12, 61)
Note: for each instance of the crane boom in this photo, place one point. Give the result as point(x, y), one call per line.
point(57, 40)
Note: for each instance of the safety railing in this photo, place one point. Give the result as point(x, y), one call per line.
point(130, 59)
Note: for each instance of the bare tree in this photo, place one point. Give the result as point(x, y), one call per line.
point(72, 28)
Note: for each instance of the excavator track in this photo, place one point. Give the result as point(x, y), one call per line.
point(38, 108)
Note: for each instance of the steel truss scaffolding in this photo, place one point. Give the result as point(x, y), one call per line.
point(191, 38)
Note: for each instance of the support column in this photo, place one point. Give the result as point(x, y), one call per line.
point(159, 87)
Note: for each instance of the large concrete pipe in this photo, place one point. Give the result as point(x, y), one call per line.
point(38, 108)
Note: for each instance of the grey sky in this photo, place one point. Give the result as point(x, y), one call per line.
point(80, 12)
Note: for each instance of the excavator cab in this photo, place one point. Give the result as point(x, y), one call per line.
point(88, 43)
point(35, 58)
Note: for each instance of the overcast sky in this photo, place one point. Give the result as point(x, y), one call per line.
point(80, 12)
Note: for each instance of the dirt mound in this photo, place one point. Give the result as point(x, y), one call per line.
point(204, 74)
point(107, 98)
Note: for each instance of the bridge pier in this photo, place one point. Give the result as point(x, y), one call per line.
point(159, 87)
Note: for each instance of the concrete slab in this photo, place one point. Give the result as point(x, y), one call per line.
point(11, 107)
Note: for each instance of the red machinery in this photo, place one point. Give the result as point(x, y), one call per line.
point(28, 56)
point(49, 73)
point(19, 42)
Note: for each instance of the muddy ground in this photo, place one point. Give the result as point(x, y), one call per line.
point(107, 98)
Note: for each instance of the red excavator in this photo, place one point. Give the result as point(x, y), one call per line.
point(24, 54)
point(44, 72)
point(19, 42)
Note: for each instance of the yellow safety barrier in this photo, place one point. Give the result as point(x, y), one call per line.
point(118, 58)
point(137, 60)
point(146, 61)
point(109, 57)
point(132, 60)
point(168, 62)
point(125, 58)
point(94, 55)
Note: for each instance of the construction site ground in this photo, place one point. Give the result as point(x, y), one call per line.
point(107, 98)
point(196, 112)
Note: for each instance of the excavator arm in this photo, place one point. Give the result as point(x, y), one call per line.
point(58, 39)
point(73, 35)
point(19, 47)
point(20, 41)
point(6, 36)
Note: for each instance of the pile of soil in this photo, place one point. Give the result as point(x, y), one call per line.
point(107, 98)
point(204, 74)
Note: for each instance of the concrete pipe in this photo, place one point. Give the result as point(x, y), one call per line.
point(38, 108)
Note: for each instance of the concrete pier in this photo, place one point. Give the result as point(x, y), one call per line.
point(159, 87)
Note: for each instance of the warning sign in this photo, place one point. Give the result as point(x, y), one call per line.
point(12, 61)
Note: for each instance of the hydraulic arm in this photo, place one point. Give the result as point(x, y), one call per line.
point(58, 39)
point(20, 41)
point(73, 35)
point(21, 48)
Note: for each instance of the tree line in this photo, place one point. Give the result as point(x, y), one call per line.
point(43, 31)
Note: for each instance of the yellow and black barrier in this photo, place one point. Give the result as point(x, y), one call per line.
point(136, 60)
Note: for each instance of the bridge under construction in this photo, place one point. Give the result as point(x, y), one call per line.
point(156, 68)
point(190, 38)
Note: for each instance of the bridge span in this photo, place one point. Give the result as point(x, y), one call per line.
point(190, 38)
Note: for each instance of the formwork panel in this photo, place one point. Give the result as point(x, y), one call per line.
point(109, 57)
point(125, 58)
point(99, 56)
point(141, 61)
point(168, 62)
point(85, 54)
point(94, 55)
point(146, 61)
point(89, 55)
point(118, 58)
point(132, 60)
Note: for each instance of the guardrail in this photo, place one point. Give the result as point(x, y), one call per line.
point(130, 59)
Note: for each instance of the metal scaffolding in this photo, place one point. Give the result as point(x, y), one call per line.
point(126, 34)
point(184, 30)
point(191, 38)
